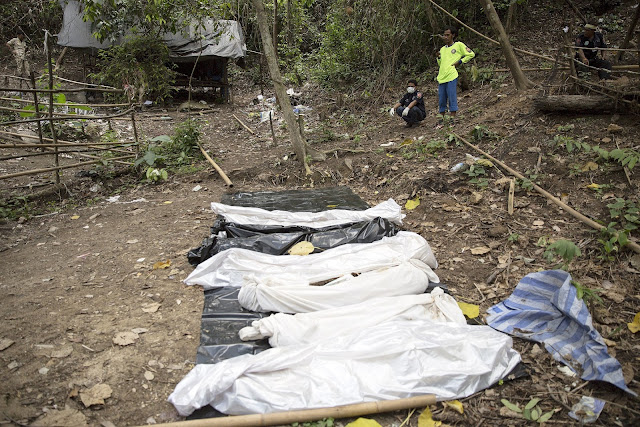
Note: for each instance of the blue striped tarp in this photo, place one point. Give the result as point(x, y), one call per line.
point(544, 308)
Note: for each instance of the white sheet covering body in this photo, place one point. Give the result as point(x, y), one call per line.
point(394, 360)
point(273, 294)
point(247, 215)
point(308, 328)
point(230, 267)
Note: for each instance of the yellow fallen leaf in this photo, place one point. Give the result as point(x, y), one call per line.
point(456, 405)
point(593, 186)
point(484, 162)
point(332, 206)
point(364, 422)
point(470, 310)
point(480, 250)
point(590, 166)
point(425, 419)
point(301, 248)
point(635, 325)
point(168, 202)
point(407, 141)
point(75, 217)
point(162, 264)
point(390, 155)
point(412, 203)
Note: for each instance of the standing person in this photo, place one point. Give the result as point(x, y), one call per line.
point(411, 105)
point(18, 48)
point(451, 55)
point(592, 39)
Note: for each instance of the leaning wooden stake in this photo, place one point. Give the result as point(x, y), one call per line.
point(243, 125)
point(512, 187)
point(216, 167)
point(51, 125)
point(561, 204)
point(285, 418)
point(37, 106)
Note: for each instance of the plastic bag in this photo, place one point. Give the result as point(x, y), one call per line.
point(308, 328)
point(394, 360)
point(279, 295)
point(230, 267)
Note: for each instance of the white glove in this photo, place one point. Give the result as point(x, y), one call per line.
point(392, 112)
point(405, 112)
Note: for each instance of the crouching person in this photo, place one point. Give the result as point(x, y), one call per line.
point(411, 105)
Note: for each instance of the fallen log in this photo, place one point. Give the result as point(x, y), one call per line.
point(576, 103)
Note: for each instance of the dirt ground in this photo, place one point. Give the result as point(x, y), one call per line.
point(77, 270)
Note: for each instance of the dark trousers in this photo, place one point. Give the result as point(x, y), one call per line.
point(415, 114)
point(603, 64)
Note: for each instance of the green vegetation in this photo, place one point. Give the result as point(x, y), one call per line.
point(531, 411)
point(566, 250)
point(478, 174)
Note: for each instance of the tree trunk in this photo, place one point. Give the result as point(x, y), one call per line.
point(275, 27)
point(627, 38)
point(575, 103)
point(281, 93)
point(521, 81)
point(511, 14)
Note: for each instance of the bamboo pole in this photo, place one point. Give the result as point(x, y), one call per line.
point(59, 168)
point(13, 89)
point(71, 144)
point(633, 245)
point(135, 131)
point(62, 117)
point(286, 418)
point(216, 167)
point(47, 44)
point(37, 106)
point(67, 104)
point(243, 125)
point(67, 143)
point(614, 68)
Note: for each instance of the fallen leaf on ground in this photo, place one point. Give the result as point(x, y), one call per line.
point(95, 395)
point(470, 310)
point(139, 330)
point(301, 248)
point(151, 307)
point(412, 203)
point(75, 217)
point(480, 250)
point(635, 325)
point(593, 186)
point(162, 264)
point(5, 343)
point(484, 162)
point(538, 223)
point(364, 422)
point(426, 419)
point(125, 338)
point(590, 166)
point(456, 405)
point(168, 202)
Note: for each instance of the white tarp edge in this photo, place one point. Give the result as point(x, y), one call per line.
point(308, 328)
point(274, 294)
point(230, 267)
point(394, 360)
point(389, 210)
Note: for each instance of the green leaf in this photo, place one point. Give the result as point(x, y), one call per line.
point(535, 414)
point(511, 406)
point(533, 402)
point(60, 98)
point(632, 162)
point(161, 138)
point(546, 416)
point(623, 239)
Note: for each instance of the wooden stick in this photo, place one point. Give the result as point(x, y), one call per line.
point(47, 45)
point(577, 11)
point(614, 68)
point(37, 106)
point(512, 187)
point(243, 125)
point(70, 144)
point(633, 245)
point(216, 167)
point(66, 104)
point(61, 117)
point(13, 89)
point(58, 168)
point(280, 418)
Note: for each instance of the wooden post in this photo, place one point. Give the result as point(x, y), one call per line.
point(135, 131)
point(638, 43)
point(570, 51)
point(35, 102)
point(51, 125)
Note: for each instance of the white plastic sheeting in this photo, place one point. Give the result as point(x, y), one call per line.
point(394, 360)
point(389, 210)
point(230, 267)
point(274, 294)
point(308, 328)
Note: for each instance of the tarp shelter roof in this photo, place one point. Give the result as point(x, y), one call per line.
point(223, 38)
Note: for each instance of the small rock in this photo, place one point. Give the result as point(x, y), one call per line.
point(151, 420)
point(197, 188)
point(606, 140)
point(5, 343)
point(53, 229)
point(148, 375)
point(22, 220)
point(498, 231)
point(13, 365)
point(614, 128)
point(43, 371)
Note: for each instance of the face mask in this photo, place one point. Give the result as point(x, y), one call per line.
point(411, 89)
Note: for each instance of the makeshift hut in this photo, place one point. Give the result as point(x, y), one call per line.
point(209, 44)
